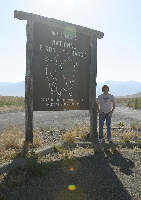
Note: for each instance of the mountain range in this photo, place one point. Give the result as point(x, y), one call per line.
point(116, 88)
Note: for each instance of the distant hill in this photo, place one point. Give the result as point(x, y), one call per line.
point(12, 89)
point(5, 84)
point(121, 88)
point(118, 89)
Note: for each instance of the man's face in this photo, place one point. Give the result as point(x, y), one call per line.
point(105, 89)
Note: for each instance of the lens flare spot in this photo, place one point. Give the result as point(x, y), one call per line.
point(71, 187)
point(70, 192)
point(71, 168)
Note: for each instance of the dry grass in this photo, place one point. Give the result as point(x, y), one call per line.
point(128, 134)
point(12, 143)
point(12, 140)
point(7, 108)
point(76, 132)
point(83, 132)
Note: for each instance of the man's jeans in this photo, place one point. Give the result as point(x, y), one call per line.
point(101, 124)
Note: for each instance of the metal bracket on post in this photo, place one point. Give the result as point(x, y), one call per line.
point(92, 90)
point(29, 83)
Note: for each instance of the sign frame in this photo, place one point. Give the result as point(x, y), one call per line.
point(94, 34)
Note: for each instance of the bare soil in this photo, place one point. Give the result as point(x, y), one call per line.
point(63, 119)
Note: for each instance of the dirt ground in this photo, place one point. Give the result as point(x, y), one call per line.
point(65, 119)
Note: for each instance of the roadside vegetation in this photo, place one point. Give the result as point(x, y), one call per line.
point(131, 102)
point(9, 103)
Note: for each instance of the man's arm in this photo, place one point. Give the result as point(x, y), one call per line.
point(97, 106)
point(113, 107)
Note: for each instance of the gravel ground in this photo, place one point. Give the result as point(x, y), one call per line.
point(99, 176)
point(96, 176)
point(64, 119)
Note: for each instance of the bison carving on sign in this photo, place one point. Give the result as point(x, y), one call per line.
point(60, 73)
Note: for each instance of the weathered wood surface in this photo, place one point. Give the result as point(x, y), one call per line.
point(56, 23)
point(29, 83)
point(92, 91)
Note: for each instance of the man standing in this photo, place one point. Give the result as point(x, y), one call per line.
point(105, 111)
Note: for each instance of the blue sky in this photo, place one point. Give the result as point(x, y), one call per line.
point(119, 51)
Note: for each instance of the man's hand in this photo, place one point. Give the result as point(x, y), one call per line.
point(100, 112)
point(110, 113)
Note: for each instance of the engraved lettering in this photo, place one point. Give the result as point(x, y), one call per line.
point(46, 48)
point(79, 54)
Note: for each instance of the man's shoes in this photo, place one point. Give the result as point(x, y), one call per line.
point(110, 140)
point(100, 140)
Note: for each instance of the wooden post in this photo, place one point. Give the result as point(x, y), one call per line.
point(92, 91)
point(29, 84)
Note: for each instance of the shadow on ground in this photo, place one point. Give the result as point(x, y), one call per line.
point(91, 176)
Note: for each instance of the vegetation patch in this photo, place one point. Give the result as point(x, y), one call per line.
point(12, 143)
point(9, 103)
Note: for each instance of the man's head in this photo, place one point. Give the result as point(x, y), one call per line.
point(105, 89)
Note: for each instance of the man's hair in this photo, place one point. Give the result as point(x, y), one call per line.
point(104, 87)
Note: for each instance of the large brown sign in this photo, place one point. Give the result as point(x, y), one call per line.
point(61, 69)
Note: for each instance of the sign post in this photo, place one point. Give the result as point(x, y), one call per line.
point(61, 68)
point(29, 83)
point(92, 90)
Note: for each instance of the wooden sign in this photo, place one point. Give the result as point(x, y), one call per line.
point(61, 69)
